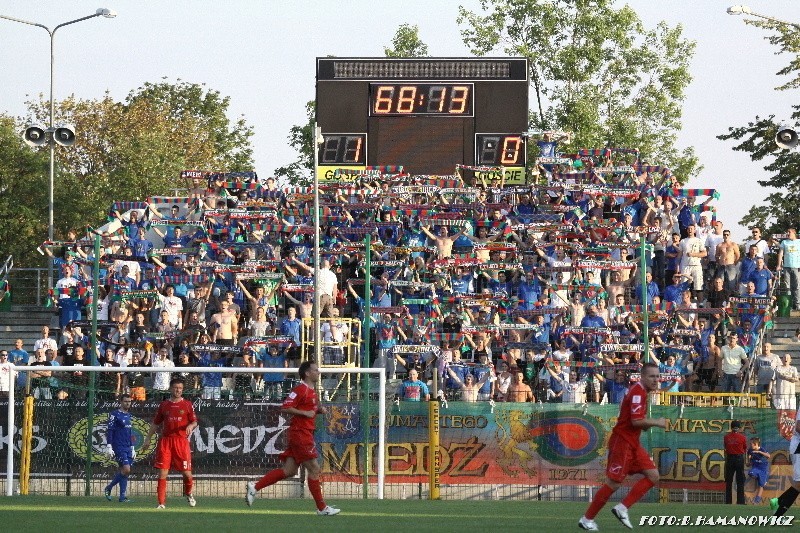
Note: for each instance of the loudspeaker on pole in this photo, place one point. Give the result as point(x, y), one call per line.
point(34, 135)
point(786, 137)
point(64, 135)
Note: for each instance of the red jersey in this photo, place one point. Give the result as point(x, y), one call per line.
point(633, 407)
point(176, 416)
point(303, 398)
point(735, 443)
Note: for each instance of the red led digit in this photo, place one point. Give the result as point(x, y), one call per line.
point(352, 151)
point(458, 99)
point(383, 99)
point(405, 101)
point(511, 150)
point(436, 97)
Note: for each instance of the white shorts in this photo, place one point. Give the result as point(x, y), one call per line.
point(212, 393)
point(696, 273)
point(795, 457)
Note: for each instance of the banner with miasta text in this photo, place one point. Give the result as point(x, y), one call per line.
point(550, 444)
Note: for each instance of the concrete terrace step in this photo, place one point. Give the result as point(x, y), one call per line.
point(25, 322)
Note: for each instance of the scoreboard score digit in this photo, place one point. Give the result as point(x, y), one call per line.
point(427, 114)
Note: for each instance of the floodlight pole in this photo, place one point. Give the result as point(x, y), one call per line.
point(101, 12)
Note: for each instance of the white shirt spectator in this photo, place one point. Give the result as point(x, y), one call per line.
point(562, 356)
point(63, 283)
point(161, 379)
point(134, 270)
point(45, 344)
point(5, 378)
point(174, 308)
point(575, 391)
point(338, 333)
point(693, 245)
point(762, 248)
point(327, 282)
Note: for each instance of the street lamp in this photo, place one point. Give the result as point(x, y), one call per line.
point(35, 135)
point(745, 10)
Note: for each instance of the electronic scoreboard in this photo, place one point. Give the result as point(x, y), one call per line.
point(427, 114)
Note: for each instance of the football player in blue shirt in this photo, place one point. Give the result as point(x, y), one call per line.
point(119, 439)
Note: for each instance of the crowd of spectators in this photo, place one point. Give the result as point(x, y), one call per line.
point(507, 292)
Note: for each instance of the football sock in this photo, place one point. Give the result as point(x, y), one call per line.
point(162, 491)
point(599, 501)
point(123, 486)
point(271, 477)
point(637, 491)
point(786, 500)
point(114, 481)
point(315, 488)
point(187, 486)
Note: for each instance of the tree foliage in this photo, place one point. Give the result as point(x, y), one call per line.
point(757, 138)
point(301, 138)
point(23, 196)
point(596, 71)
point(131, 150)
point(203, 110)
point(407, 43)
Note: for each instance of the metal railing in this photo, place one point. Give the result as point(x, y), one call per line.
point(6, 268)
point(28, 285)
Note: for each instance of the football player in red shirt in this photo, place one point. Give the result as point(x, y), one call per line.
point(626, 455)
point(176, 420)
point(303, 405)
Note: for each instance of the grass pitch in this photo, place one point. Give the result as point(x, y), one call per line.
point(64, 514)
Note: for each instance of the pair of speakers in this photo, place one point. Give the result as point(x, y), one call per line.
point(37, 135)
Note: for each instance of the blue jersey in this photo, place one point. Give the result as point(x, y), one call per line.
point(291, 328)
point(119, 431)
point(211, 379)
point(758, 461)
point(278, 361)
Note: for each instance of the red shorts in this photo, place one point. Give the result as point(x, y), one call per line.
point(173, 453)
point(625, 459)
point(300, 446)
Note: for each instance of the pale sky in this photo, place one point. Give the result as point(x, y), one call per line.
point(261, 54)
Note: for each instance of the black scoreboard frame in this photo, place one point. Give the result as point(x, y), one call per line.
point(432, 112)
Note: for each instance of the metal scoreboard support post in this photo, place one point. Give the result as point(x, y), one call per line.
point(427, 114)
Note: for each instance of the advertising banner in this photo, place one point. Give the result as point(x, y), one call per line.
point(505, 443)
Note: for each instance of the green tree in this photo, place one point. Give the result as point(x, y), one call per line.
point(205, 110)
point(757, 138)
point(23, 197)
point(596, 71)
point(406, 43)
point(301, 138)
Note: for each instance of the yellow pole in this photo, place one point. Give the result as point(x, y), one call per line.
point(434, 459)
point(25, 449)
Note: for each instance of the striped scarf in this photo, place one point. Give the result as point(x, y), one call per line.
point(157, 200)
point(694, 193)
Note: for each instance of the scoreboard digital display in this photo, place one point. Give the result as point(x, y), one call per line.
point(420, 99)
point(427, 114)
